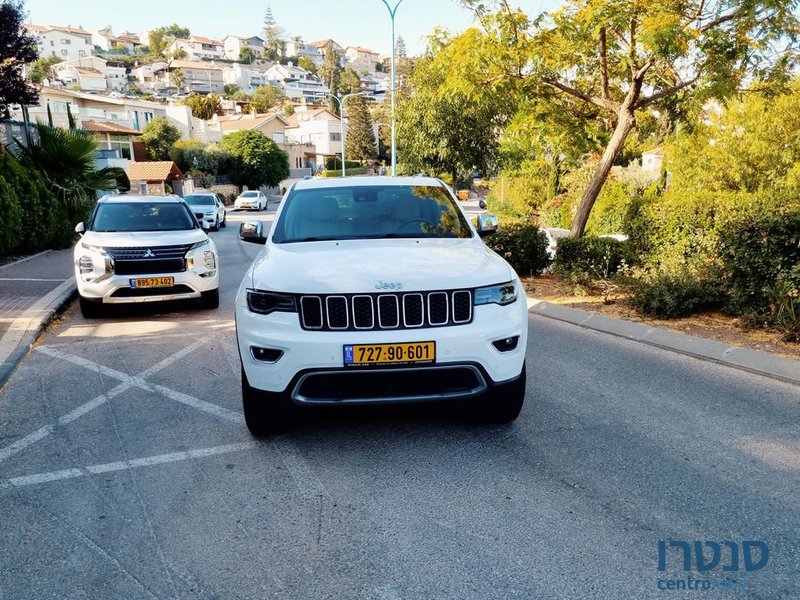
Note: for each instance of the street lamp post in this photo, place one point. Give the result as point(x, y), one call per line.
point(340, 100)
point(392, 13)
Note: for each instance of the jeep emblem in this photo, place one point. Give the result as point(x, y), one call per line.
point(388, 285)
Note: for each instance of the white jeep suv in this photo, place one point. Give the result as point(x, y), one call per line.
point(144, 249)
point(377, 290)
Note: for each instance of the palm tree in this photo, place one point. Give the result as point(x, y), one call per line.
point(66, 159)
point(177, 79)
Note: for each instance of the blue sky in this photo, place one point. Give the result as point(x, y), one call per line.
point(350, 22)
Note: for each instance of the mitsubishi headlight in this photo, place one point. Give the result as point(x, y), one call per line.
point(200, 257)
point(505, 293)
point(95, 264)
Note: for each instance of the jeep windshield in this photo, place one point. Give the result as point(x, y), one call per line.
point(142, 216)
point(369, 212)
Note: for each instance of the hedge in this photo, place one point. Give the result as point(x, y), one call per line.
point(522, 245)
point(593, 257)
point(338, 173)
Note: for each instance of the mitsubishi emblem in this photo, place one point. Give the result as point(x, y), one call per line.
point(149, 254)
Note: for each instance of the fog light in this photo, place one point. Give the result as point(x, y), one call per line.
point(506, 344)
point(268, 355)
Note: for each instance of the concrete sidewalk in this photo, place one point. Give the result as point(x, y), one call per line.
point(753, 361)
point(32, 290)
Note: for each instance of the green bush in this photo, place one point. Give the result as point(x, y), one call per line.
point(338, 173)
point(592, 257)
point(523, 246)
point(334, 163)
point(785, 305)
point(672, 296)
point(183, 151)
point(757, 245)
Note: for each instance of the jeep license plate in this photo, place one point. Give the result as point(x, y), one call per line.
point(152, 282)
point(367, 355)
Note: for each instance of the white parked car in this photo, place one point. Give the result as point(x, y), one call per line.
point(553, 235)
point(251, 200)
point(144, 249)
point(376, 290)
point(207, 207)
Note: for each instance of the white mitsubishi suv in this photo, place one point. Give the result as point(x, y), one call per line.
point(377, 290)
point(144, 249)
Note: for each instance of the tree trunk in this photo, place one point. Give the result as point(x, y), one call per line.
point(626, 121)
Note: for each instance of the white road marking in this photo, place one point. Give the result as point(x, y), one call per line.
point(97, 367)
point(95, 402)
point(208, 407)
point(135, 463)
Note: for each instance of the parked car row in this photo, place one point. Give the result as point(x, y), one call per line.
point(399, 298)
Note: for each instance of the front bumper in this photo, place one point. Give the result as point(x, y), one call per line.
point(247, 206)
point(117, 288)
point(321, 352)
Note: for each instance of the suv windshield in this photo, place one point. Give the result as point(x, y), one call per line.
point(370, 212)
point(199, 200)
point(142, 216)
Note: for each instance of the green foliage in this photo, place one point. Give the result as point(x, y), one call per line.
point(360, 140)
point(758, 244)
point(43, 68)
point(349, 82)
point(255, 159)
point(17, 47)
point(33, 217)
point(230, 90)
point(668, 296)
point(785, 304)
point(183, 151)
point(522, 245)
point(193, 155)
point(160, 38)
point(335, 162)
point(247, 55)
point(204, 107)
point(350, 172)
point(329, 72)
point(158, 136)
point(593, 257)
point(265, 98)
point(306, 63)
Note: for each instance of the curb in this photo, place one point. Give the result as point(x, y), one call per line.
point(743, 359)
point(44, 311)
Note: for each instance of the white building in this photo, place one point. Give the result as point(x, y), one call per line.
point(106, 40)
point(199, 76)
point(67, 43)
point(323, 45)
point(246, 77)
point(91, 74)
point(362, 60)
point(198, 48)
point(151, 75)
point(319, 127)
point(296, 82)
point(297, 47)
point(234, 44)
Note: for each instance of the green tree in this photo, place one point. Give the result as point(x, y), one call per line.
point(615, 60)
point(247, 55)
point(160, 38)
point(329, 72)
point(17, 47)
point(177, 79)
point(230, 90)
point(360, 141)
point(43, 68)
point(265, 98)
point(158, 136)
point(306, 63)
point(273, 44)
point(255, 159)
point(204, 107)
point(442, 129)
point(349, 82)
point(400, 47)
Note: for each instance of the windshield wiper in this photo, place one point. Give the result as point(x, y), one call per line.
point(310, 239)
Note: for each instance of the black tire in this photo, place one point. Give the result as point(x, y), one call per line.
point(224, 220)
point(89, 309)
point(503, 403)
point(209, 299)
point(216, 224)
point(266, 413)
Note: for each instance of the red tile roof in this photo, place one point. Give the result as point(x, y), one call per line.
point(101, 127)
point(154, 171)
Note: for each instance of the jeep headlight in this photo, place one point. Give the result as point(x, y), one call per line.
point(505, 293)
point(265, 303)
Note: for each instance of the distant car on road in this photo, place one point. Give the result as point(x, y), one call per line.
point(620, 237)
point(376, 290)
point(207, 207)
point(250, 200)
point(144, 249)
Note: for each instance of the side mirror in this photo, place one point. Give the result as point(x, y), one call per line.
point(253, 232)
point(80, 228)
point(204, 225)
point(487, 224)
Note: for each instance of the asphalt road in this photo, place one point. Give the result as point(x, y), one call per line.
point(126, 472)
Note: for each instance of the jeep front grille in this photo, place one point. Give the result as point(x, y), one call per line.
point(361, 312)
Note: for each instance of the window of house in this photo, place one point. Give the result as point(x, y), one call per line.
point(65, 42)
point(64, 53)
point(81, 52)
point(336, 137)
point(52, 43)
point(121, 143)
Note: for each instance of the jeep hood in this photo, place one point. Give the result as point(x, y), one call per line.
point(364, 266)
